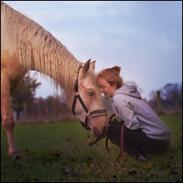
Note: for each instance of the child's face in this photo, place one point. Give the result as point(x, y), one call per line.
point(106, 88)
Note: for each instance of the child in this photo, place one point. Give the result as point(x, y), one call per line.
point(144, 132)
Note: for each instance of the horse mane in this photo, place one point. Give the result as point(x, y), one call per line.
point(39, 50)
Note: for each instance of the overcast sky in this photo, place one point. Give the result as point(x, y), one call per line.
point(144, 38)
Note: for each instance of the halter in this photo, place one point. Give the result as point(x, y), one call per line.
point(122, 150)
point(89, 114)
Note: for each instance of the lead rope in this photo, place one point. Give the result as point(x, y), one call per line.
point(122, 152)
point(107, 137)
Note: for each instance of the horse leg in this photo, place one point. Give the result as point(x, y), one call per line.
point(7, 117)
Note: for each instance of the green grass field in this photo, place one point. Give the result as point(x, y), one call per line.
point(59, 152)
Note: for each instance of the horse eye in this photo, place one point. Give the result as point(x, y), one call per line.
point(90, 93)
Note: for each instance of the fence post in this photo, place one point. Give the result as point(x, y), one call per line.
point(158, 102)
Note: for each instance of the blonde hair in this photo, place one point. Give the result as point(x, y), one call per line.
point(111, 75)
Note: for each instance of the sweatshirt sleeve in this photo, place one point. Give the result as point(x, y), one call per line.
point(125, 112)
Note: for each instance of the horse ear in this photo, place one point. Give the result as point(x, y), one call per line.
point(86, 66)
point(92, 65)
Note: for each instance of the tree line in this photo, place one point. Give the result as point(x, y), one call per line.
point(26, 107)
point(167, 99)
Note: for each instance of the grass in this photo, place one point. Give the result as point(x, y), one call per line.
point(59, 152)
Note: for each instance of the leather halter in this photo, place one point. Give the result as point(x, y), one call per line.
point(92, 114)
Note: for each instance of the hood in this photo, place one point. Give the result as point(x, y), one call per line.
point(129, 88)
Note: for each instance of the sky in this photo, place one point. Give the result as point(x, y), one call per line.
point(144, 38)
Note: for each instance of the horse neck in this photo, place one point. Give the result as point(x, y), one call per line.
point(55, 61)
point(38, 50)
point(61, 66)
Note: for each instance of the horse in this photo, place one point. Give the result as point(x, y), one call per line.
point(25, 46)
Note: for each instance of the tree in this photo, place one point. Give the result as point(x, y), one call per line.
point(170, 98)
point(23, 95)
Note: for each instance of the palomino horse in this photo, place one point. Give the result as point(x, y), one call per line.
point(25, 46)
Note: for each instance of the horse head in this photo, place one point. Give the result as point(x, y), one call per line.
point(87, 103)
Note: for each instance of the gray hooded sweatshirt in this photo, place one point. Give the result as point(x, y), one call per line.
point(136, 113)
